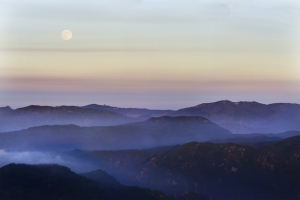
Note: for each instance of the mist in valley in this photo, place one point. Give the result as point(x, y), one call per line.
point(39, 157)
point(181, 154)
point(150, 100)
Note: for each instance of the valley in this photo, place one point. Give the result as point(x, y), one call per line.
point(127, 153)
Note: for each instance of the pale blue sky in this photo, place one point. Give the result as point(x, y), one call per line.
point(149, 53)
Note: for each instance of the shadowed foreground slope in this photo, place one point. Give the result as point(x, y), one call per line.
point(20, 181)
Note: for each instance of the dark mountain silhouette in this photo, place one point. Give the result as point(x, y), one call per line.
point(130, 112)
point(45, 115)
point(247, 117)
point(229, 171)
point(20, 181)
point(191, 196)
point(118, 161)
point(221, 171)
point(5, 109)
point(153, 132)
point(115, 162)
point(102, 177)
point(250, 139)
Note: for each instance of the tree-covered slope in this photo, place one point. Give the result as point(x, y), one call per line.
point(229, 171)
point(220, 170)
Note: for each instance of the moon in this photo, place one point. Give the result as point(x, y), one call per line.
point(66, 34)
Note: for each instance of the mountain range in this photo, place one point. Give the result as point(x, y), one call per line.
point(247, 117)
point(130, 112)
point(221, 171)
point(221, 150)
point(30, 116)
point(239, 117)
point(152, 132)
point(5, 109)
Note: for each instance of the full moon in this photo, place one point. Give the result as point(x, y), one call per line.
point(66, 35)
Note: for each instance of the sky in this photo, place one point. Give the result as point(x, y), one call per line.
point(162, 54)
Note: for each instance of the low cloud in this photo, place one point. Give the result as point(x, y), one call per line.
point(28, 157)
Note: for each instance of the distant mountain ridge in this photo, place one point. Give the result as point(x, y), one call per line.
point(5, 109)
point(238, 117)
point(153, 132)
point(30, 116)
point(247, 117)
point(130, 112)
